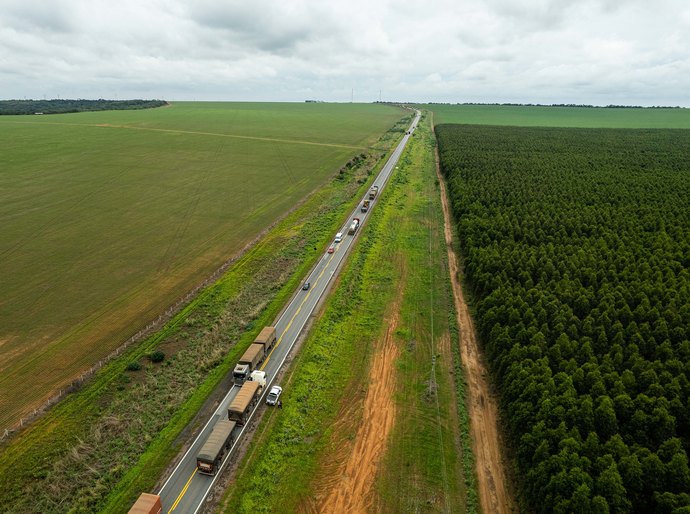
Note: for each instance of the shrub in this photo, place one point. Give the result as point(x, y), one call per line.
point(157, 356)
point(133, 366)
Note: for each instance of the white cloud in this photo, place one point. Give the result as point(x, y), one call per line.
point(592, 51)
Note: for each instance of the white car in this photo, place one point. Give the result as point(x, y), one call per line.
point(273, 395)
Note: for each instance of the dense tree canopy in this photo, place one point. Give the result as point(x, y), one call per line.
point(576, 245)
point(64, 106)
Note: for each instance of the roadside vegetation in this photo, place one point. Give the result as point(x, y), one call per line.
point(561, 116)
point(576, 245)
point(389, 319)
point(109, 218)
point(98, 449)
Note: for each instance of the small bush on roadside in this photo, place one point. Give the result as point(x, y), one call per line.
point(157, 356)
point(133, 366)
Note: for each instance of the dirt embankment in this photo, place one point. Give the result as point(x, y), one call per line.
point(494, 494)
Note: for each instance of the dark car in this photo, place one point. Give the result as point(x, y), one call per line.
point(306, 286)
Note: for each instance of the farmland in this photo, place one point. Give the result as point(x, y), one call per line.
point(543, 116)
point(374, 415)
point(576, 245)
point(108, 217)
point(104, 444)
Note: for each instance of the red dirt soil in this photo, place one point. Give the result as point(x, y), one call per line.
point(347, 484)
point(353, 491)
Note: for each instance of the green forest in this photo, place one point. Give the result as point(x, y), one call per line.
point(65, 106)
point(576, 248)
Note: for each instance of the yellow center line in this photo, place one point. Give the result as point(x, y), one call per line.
point(184, 491)
point(306, 297)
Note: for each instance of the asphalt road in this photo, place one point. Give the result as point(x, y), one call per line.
point(185, 490)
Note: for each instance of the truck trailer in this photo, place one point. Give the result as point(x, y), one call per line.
point(365, 205)
point(255, 354)
point(241, 406)
point(219, 441)
point(267, 337)
point(147, 504)
point(373, 192)
point(248, 362)
point(353, 226)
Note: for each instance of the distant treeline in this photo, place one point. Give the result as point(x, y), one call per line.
point(563, 105)
point(64, 106)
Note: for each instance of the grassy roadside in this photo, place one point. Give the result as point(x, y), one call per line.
point(426, 469)
point(276, 475)
point(428, 465)
point(102, 446)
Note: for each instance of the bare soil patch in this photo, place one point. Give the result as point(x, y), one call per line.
point(346, 482)
point(494, 495)
point(353, 492)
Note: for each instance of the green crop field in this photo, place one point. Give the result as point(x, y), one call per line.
point(97, 450)
point(533, 116)
point(108, 217)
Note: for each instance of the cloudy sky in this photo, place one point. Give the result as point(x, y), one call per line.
point(633, 52)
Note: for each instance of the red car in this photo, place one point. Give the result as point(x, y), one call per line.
point(331, 249)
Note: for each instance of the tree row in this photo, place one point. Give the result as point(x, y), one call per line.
point(576, 244)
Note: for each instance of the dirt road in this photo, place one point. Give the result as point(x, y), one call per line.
point(494, 495)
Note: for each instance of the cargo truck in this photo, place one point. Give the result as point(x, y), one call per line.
point(267, 337)
point(354, 226)
point(241, 406)
point(255, 354)
point(147, 504)
point(259, 376)
point(219, 441)
point(365, 205)
point(248, 362)
point(373, 191)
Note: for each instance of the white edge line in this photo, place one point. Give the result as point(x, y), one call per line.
point(394, 157)
point(401, 146)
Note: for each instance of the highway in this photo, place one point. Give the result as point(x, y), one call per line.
point(185, 490)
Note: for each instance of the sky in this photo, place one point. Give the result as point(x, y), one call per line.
point(598, 52)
